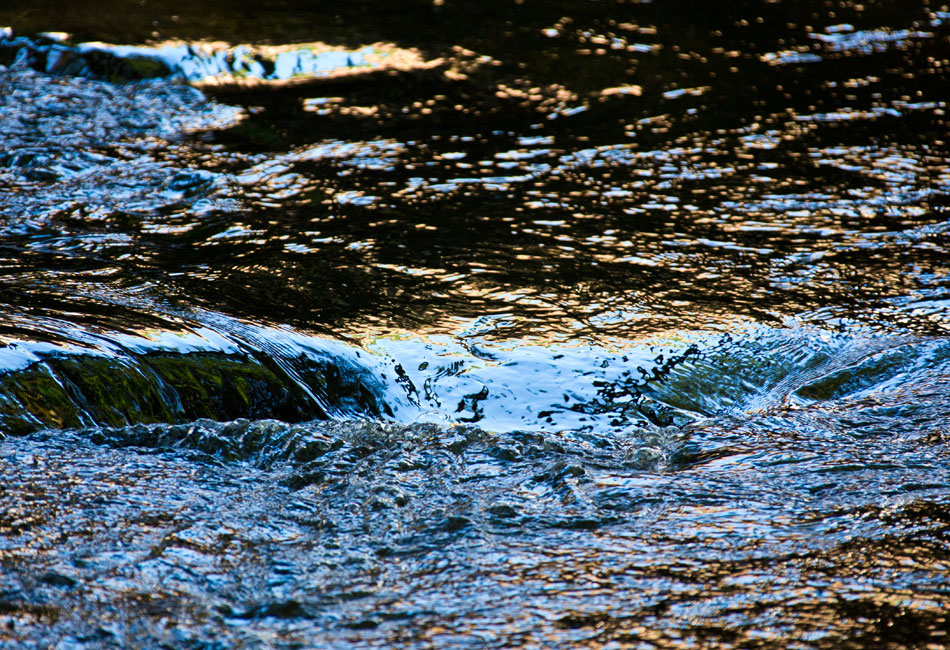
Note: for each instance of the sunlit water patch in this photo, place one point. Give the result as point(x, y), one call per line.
point(85, 150)
point(200, 63)
point(683, 381)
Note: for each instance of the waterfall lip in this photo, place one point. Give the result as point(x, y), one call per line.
point(209, 366)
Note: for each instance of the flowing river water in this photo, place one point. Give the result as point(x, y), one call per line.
point(498, 324)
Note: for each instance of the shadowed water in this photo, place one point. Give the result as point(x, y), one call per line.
point(608, 325)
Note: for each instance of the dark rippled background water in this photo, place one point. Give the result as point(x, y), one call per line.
point(489, 324)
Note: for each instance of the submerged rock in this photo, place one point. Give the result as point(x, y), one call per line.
point(46, 386)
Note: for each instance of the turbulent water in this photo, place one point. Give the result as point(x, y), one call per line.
point(492, 325)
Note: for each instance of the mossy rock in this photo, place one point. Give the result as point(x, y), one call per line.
point(32, 399)
point(82, 390)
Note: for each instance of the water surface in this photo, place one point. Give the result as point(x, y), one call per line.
point(491, 325)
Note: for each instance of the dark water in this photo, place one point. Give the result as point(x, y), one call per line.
point(491, 325)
